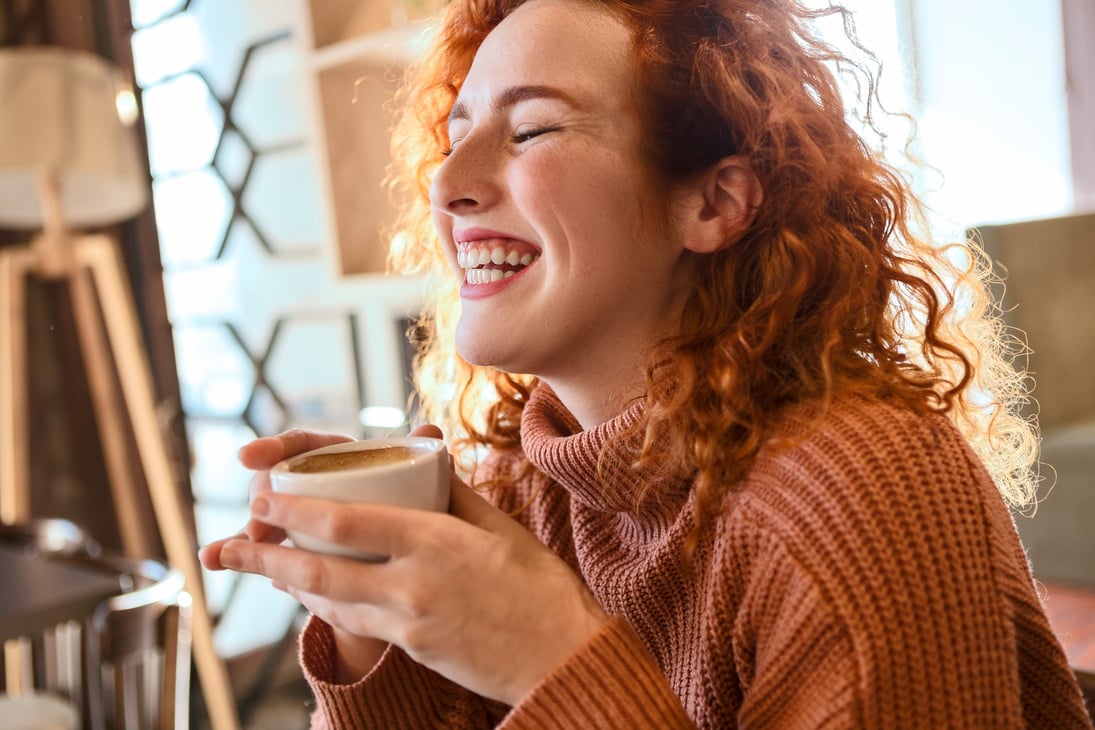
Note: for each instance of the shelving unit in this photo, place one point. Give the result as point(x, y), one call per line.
point(356, 53)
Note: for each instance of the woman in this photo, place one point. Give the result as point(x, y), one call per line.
point(720, 388)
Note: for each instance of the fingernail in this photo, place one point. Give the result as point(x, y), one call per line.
point(231, 557)
point(260, 507)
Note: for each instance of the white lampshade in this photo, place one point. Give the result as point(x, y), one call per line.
point(71, 115)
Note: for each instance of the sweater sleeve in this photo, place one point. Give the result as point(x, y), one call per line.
point(611, 682)
point(398, 694)
point(796, 659)
point(886, 588)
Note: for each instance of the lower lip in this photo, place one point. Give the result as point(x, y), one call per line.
point(482, 291)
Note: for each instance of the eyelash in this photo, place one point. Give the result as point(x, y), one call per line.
point(516, 139)
point(526, 136)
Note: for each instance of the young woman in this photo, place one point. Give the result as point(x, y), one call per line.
point(744, 443)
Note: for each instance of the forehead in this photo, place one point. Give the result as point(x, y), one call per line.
point(573, 45)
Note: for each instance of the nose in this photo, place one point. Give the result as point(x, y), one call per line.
point(468, 179)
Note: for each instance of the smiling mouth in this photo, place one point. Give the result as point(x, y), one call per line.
point(486, 262)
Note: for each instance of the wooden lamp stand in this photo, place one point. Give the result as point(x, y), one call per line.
point(106, 322)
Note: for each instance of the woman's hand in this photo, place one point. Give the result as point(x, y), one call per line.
point(470, 594)
point(260, 456)
point(354, 655)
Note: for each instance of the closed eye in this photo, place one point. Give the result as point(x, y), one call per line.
point(518, 138)
point(450, 149)
point(529, 134)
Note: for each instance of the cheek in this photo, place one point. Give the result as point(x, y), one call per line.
point(584, 185)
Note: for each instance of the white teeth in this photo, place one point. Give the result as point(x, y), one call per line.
point(486, 276)
point(470, 258)
point(474, 261)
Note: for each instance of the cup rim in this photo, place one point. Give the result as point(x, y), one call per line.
point(432, 445)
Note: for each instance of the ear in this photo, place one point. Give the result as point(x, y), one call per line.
point(724, 201)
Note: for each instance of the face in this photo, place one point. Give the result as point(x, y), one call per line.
point(568, 269)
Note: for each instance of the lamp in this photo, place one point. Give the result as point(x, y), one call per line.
point(69, 160)
point(70, 115)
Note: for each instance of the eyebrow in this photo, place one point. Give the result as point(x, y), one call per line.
point(515, 95)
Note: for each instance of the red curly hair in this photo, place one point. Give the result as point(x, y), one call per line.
point(830, 291)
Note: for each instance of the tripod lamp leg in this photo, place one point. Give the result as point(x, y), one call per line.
point(99, 254)
point(15, 265)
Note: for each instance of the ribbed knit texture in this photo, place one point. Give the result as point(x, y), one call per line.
point(869, 575)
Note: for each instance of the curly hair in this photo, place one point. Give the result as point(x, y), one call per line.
point(833, 290)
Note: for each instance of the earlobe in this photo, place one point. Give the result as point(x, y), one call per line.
point(731, 195)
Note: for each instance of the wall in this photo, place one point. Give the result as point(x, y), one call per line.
point(990, 94)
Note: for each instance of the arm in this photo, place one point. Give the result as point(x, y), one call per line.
point(611, 682)
point(444, 598)
point(885, 549)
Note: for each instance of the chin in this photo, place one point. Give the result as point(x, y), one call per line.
point(475, 351)
point(490, 356)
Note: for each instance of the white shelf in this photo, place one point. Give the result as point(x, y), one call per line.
point(352, 75)
point(393, 46)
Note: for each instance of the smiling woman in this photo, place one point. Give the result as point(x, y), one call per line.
point(552, 169)
point(739, 457)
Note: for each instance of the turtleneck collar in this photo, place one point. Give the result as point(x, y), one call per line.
point(556, 445)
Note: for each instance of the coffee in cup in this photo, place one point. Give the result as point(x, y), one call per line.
point(408, 471)
point(337, 460)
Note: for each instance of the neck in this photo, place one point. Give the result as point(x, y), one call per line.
point(592, 401)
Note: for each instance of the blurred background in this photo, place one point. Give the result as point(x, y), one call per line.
point(258, 266)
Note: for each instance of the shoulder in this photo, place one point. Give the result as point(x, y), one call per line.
point(868, 453)
point(871, 497)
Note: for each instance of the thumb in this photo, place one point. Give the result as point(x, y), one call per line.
point(466, 503)
point(470, 506)
point(427, 430)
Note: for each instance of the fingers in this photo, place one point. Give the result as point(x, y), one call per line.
point(260, 455)
point(471, 507)
point(296, 570)
point(210, 555)
point(264, 453)
point(262, 532)
point(371, 528)
point(305, 573)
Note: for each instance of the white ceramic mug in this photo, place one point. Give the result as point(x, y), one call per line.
point(408, 471)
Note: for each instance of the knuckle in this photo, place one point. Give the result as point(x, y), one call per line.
point(416, 602)
point(294, 438)
point(301, 439)
point(338, 526)
point(314, 576)
point(254, 559)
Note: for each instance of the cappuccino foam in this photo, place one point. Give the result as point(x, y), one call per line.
point(340, 460)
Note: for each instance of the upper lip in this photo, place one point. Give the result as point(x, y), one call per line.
point(467, 235)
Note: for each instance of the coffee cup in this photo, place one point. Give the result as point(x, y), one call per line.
point(408, 471)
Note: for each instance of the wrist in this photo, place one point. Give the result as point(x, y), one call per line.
point(355, 656)
point(581, 632)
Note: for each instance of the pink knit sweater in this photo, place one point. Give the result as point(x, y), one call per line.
point(870, 576)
